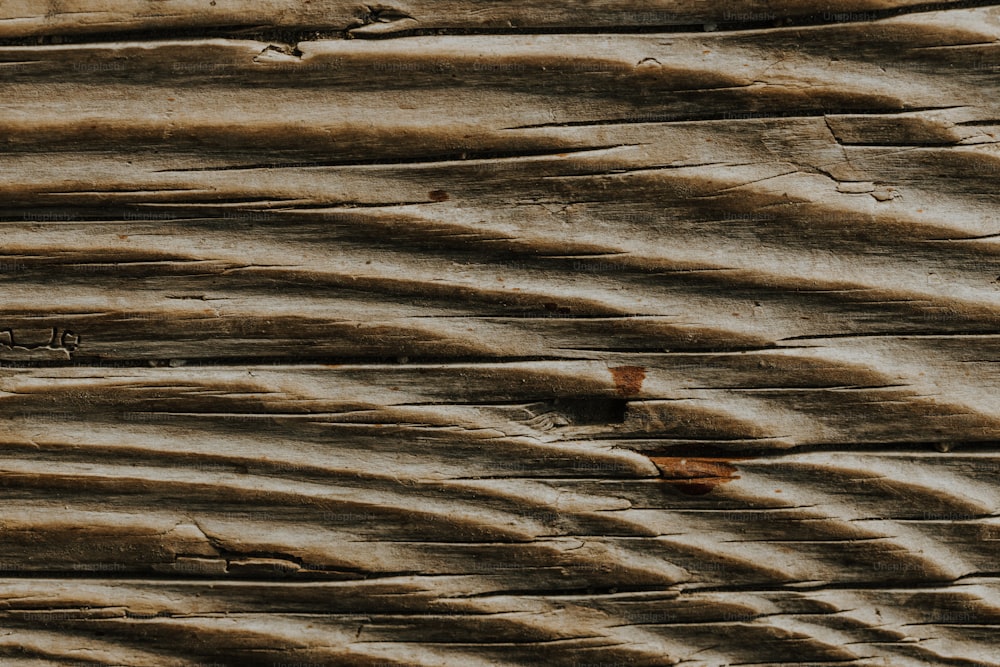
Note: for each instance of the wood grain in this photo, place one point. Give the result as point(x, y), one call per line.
point(461, 333)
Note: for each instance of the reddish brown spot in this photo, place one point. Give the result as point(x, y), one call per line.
point(123, 236)
point(628, 379)
point(438, 195)
point(694, 477)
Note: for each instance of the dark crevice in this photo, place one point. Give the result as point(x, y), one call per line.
point(727, 116)
point(300, 359)
point(122, 574)
point(694, 349)
point(902, 583)
point(744, 449)
point(568, 592)
point(592, 411)
point(403, 358)
point(454, 156)
point(895, 334)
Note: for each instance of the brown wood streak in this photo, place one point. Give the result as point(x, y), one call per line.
point(451, 333)
point(337, 17)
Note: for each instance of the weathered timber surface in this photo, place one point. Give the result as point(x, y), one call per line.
point(481, 333)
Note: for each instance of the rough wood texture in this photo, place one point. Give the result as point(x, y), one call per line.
point(467, 333)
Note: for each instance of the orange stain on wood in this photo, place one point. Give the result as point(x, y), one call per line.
point(692, 476)
point(628, 379)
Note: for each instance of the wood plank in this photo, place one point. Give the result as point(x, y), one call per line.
point(453, 333)
point(48, 18)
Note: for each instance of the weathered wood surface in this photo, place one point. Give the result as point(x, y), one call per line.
point(460, 333)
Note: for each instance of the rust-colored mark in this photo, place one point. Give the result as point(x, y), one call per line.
point(628, 379)
point(438, 195)
point(695, 477)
